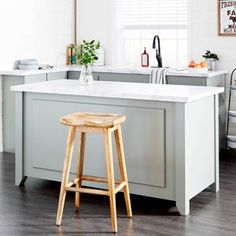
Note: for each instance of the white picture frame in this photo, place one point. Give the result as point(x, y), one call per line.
point(226, 18)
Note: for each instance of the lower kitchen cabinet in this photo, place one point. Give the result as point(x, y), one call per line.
point(74, 75)
point(8, 109)
point(131, 78)
point(56, 76)
point(8, 99)
point(100, 76)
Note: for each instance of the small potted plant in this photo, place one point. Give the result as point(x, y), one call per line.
point(211, 59)
point(87, 58)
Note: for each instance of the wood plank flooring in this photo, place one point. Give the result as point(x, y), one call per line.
point(32, 210)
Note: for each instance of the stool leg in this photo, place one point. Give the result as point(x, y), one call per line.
point(110, 177)
point(66, 172)
point(80, 165)
point(122, 165)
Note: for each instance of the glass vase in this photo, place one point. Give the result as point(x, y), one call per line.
point(86, 76)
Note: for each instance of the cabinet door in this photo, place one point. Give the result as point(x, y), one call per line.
point(76, 75)
point(194, 81)
point(131, 78)
point(8, 111)
point(73, 75)
point(57, 75)
point(9, 106)
point(35, 78)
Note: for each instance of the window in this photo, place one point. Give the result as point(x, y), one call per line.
point(140, 20)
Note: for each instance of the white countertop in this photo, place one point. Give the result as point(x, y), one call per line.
point(118, 69)
point(153, 92)
point(33, 72)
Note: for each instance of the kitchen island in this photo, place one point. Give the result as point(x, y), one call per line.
point(171, 136)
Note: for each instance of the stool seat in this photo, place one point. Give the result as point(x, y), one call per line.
point(95, 120)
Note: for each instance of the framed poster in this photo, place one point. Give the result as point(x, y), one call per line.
point(227, 18)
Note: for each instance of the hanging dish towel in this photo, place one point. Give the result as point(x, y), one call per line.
point(158, 76)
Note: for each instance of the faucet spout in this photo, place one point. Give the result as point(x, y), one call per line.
point(158, 49)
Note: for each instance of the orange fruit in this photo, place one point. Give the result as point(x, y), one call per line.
point(197, 66)
point(203, 64)
point(191, 64)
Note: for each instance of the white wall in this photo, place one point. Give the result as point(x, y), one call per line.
point(34, 29)
point(204, 34)
point(95, 22)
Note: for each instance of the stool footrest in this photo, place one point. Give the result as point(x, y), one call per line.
point(94, 191)
point(98, 179)
point(88, 190)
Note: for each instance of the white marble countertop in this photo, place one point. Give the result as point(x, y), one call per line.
point(16, 72)
point(153, 92)
point(118, 69)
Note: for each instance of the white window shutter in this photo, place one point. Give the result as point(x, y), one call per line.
point(154, 13)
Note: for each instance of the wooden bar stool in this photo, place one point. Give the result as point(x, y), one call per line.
point(89, 123)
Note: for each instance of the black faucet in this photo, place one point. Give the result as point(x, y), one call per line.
point(158, 50)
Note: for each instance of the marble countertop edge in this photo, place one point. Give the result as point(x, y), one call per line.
point(151, 92)
point(117, 69)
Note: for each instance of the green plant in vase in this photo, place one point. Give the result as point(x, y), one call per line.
point(87, 58)
point(211, 59)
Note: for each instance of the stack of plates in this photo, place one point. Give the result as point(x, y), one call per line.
point(231, 141)
point(28, 64)
point(232, 116)
point(233, 90)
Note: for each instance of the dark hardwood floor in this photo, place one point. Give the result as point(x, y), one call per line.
point(32, 210)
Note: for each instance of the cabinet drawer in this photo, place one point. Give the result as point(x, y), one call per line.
point(194, 81)
point(73, 75)
point(131, 78)
point(56, 75)
point(35, 78)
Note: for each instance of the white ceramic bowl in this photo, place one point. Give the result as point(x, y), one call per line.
point(28, 67)
point(232, 119)
point(232, 116)
point(231, 144)
point(231, 141)
point(233, 90)
point(28, 62)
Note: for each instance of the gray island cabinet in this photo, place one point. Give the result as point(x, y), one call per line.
point(171, 151)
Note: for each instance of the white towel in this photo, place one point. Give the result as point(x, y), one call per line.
point(158, 76)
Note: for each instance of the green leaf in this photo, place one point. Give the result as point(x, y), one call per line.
point(88, 52)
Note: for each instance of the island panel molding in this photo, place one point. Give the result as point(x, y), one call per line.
point(154, 152)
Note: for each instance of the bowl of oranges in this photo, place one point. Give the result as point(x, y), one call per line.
point(201, 67)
